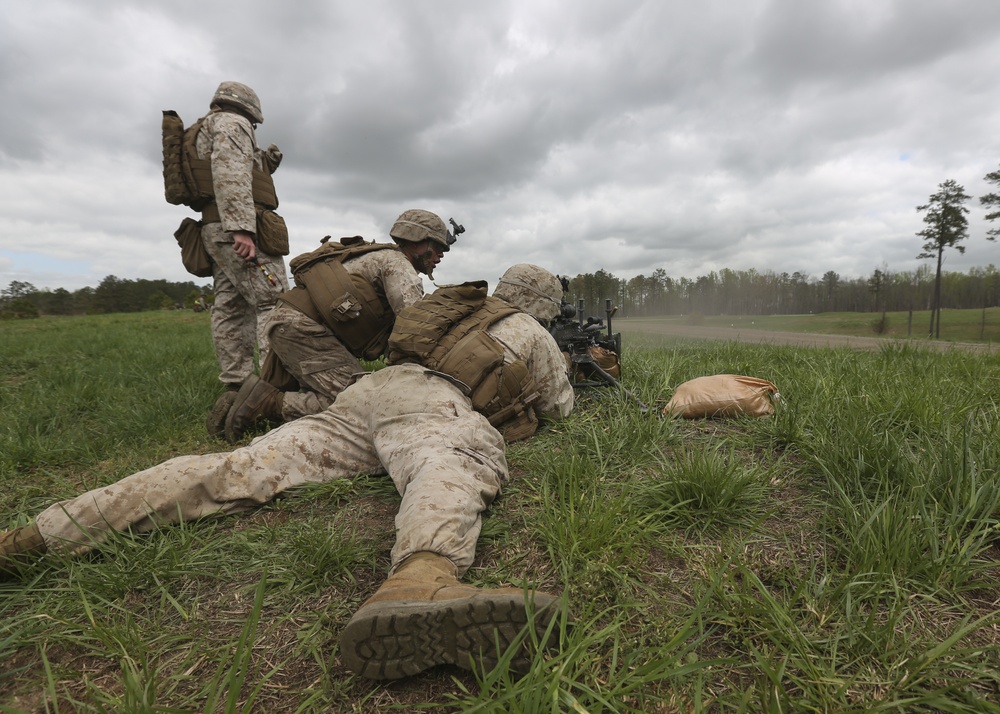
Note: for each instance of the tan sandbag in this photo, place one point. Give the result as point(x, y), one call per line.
point(722, 395)
point(606, 360)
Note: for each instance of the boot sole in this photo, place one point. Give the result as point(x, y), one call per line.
point(394, 639)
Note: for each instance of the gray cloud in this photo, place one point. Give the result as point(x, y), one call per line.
point(631, 136)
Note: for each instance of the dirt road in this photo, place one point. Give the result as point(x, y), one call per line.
point(800, 339)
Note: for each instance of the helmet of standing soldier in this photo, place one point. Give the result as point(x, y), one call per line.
point(415, 225)
point(531, 288)
point(240, 97)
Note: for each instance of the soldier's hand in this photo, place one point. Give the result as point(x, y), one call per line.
point(243, 244)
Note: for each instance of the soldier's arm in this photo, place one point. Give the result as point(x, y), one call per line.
point(403, 285)
point(548, 365)
point(232, 174)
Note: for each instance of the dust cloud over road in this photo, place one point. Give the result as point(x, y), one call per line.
point(798, 339)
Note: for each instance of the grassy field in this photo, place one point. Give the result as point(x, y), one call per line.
point(956, 325)
point(838, 556)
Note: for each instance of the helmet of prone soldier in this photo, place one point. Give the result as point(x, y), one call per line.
point(240, 97)
point(415, 225)
point(531, 288)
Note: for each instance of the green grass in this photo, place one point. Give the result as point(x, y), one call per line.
point(840, 555)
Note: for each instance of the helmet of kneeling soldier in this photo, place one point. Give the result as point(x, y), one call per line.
point(416, 225)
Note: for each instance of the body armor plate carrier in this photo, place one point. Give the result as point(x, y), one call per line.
point(446, 332)
point(357, 312)
point(188, 179)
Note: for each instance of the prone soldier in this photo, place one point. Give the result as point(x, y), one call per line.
point(465, 371)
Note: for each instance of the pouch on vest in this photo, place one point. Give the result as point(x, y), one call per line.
point(330, 289)
point(327, 284)
point(471, 361)
point(521, 426)
point(272, 233)
point(193, 254)
point(517, 391)
point(503, 393)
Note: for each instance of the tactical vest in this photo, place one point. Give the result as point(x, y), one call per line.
point(357, 312)
point(187, 179)
point(446, 332)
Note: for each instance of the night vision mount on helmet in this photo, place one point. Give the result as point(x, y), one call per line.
point(416, 225)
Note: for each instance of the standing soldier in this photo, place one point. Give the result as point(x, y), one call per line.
point(342, 309)
point(229, 180)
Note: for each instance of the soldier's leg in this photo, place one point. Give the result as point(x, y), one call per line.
point(252, 289)
point(314, 356)
point(319, 448)
point(448, 463)
point(233, 321)
point(445, 459)
point(263, 294)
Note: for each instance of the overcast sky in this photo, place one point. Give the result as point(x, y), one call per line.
point(782, 135)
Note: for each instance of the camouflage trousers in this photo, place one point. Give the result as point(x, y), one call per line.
point(445, 460)
point(243, 298)
point(310, 353)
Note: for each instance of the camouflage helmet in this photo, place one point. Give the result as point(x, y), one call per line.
point(416, 225)
point(531, 288)
point(241, 97)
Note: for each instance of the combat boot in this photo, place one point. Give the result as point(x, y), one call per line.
point(215, 422)
point(423, 616)
point(18, 548)
point(256, 400)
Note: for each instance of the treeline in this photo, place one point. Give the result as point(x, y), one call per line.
point(723, 292)
point(24, 300)
point(752, 292)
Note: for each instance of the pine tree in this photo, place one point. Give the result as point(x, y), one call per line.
point(947, 226)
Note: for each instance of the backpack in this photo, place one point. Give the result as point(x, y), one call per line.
point(354, 310)
point(175, 187)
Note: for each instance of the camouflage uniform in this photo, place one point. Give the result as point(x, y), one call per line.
point(309, 350)
point(243, 293)
point(445, 459)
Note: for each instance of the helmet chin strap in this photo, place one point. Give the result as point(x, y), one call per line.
point(423, 260)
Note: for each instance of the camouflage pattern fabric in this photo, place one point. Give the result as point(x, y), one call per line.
point(445, 460)
point(311, 353)
point(228, 139)
point(243, 299)
point(243, 293)
point(523, 338)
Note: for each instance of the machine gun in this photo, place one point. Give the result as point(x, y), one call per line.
point(582, 337)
